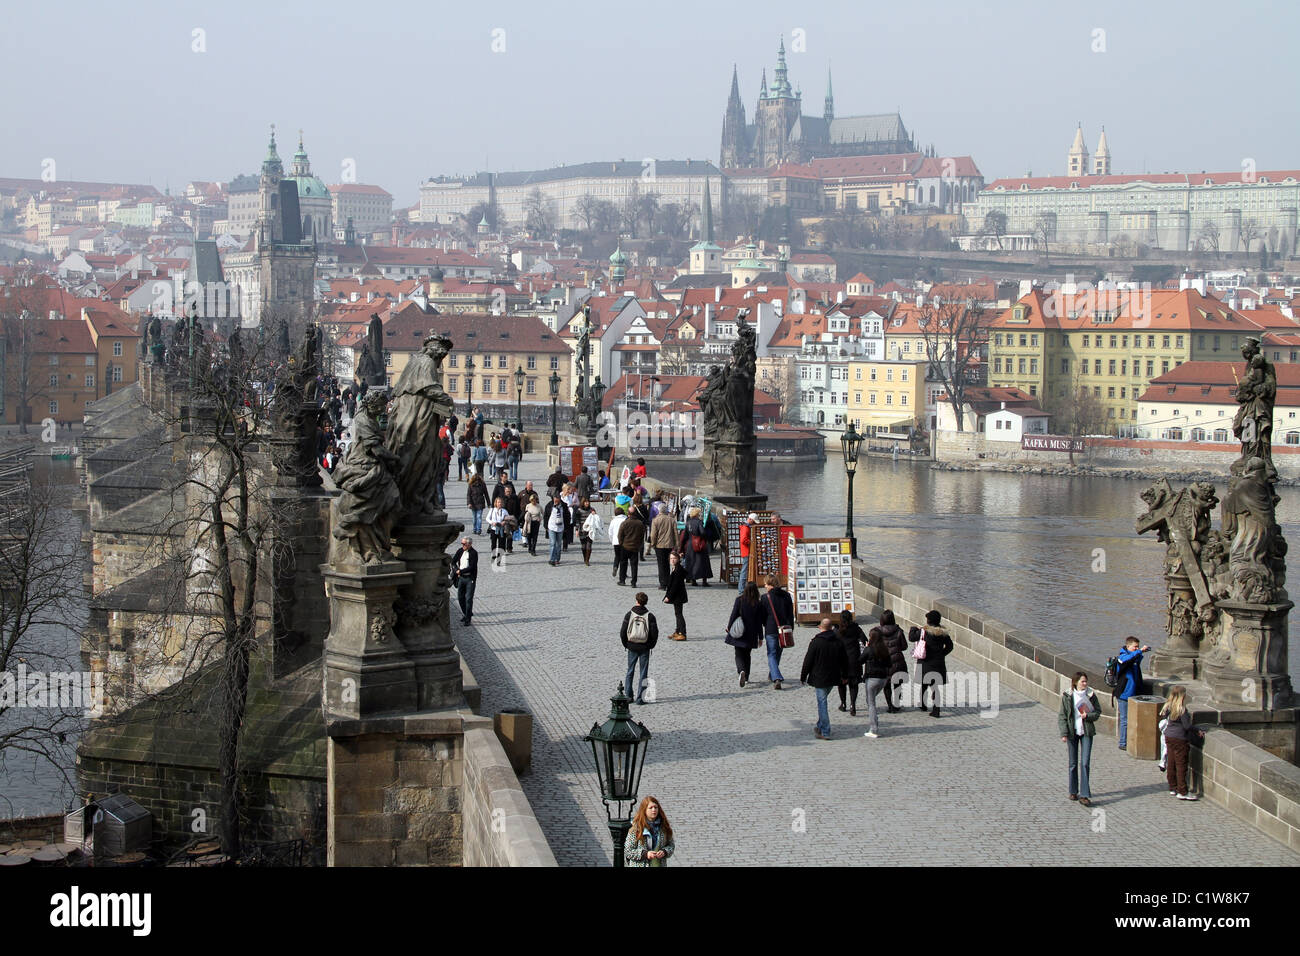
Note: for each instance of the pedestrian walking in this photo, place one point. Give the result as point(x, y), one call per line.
point(694, 546)
point(615, 523)
point(631, 538)
point(675, 594)
point(1178, 733)
point(570, 498)
point(896, 642)
point(591, 526)
point(639, 635)
point(650, 839)
point(745, 628)
point(476, 497)
point(515, 452)
point(778, 618)
point(852, 639)
point(556, 517)
point(555, 481)
point(464, 575)
point(663, 538)
point(1130, 682)
point(933, 645)
point(496, 525)
point(824, 666)
point(480, 457)
point(875, 669)
point(532, 522)
point(1077, 723)
point(584, 484)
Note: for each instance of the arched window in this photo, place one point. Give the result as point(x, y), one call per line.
point(1220, 434)
point(1198, 434)
point(931, 195)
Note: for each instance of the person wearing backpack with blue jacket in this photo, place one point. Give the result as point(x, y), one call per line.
point(1130, 682)
point(639, 635)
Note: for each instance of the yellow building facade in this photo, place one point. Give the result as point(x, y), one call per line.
point(886, 395)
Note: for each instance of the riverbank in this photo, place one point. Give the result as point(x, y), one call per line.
point(1175, 475)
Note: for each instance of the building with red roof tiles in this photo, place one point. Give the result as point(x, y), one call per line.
point(1196, 402)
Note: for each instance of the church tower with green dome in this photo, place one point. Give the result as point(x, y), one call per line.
point(315, 205)
point(617, 267)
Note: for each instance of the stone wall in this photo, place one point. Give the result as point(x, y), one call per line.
point(1255, 785)
point(1123, 453)
point(1251, 783)
point(498, 824)
point(395, 791)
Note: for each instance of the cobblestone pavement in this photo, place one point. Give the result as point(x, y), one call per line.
point(741, 777)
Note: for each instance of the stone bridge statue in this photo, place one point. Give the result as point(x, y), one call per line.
point(296, 414)
point(367, 474)
point(419, 407)
point(370, 367)
point(1228, 604)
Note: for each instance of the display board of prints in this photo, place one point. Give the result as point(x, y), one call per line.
point(821, 577)
point(731, 524)
point(573, 457)
point(698, 501)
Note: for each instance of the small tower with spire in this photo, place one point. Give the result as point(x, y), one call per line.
point(828, 110)
point(269, 225)
point(1101, 161)
point(1077, 159)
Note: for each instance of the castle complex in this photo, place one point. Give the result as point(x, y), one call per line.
point(781, 133)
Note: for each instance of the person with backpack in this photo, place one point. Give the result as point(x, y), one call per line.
point(896, 641)
point(933, 645)
point(744, 628)
point(824, 667)
point(515, 453)
point(583, 513)
point(1126, 666)
point(1077, 723)
point(1177, 733)
point(675, 593)
point(876, 663)
point(640, 633)
point(778, 626)
point(694, 545)
point(480, 457)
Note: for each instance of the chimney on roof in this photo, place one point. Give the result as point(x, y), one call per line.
point(839, 297)
point(717, 293)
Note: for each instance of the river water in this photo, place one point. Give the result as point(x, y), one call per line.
point(1021, 548)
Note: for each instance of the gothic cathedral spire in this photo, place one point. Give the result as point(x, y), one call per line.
point(828, 111)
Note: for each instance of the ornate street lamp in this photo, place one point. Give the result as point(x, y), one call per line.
point(619, 747)
point(519, 392)
point(469, 386)
point(852, 444)
point(555, 394)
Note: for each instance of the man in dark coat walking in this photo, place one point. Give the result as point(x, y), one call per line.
point(464, 574)
point(824, 667)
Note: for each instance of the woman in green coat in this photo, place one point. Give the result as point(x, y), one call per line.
point(1077, 723)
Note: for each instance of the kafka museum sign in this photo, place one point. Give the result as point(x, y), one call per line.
point(1051, 443)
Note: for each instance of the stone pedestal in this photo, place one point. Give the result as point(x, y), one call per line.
point(423, 621)
point(1257, 673)
point(727, 472)
point(1178, 658)
point(299, 612)
point(367, 670)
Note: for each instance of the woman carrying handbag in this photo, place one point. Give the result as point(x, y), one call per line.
point(745, 627)
point(778, 626)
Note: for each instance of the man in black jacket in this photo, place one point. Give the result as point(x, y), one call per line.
point(824, 668)
point(639, 639)
point(464, 574)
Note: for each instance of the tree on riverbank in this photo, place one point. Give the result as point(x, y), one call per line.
point(956, 336)
point(1076, 411)
point(40, 622)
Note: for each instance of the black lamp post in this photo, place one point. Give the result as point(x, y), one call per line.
point(852, 443)
point(519, 393)
point(469, 386)
point(619, 747)
point(555, 394)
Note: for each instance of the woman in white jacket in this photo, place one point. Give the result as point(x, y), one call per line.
point(496, 522)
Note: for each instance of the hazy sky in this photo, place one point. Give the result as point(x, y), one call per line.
point(408, 90)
